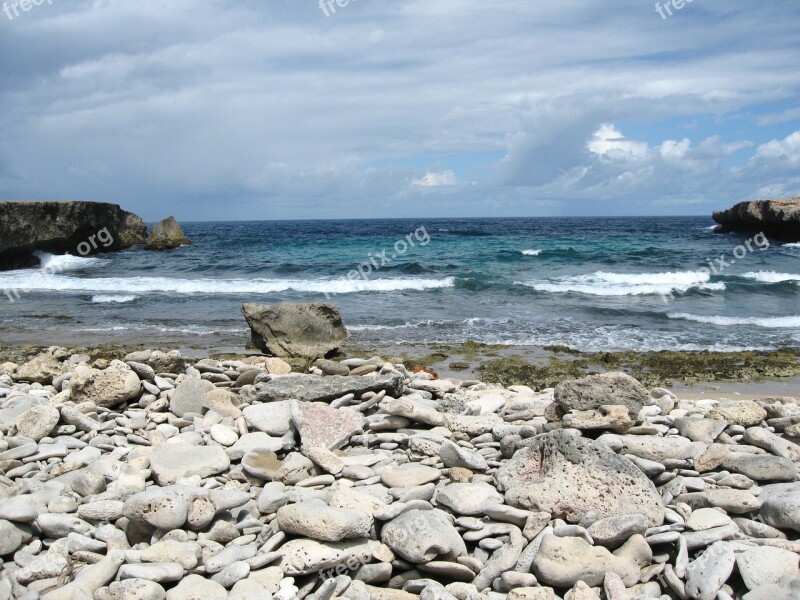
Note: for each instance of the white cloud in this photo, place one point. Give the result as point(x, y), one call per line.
point(433, 179)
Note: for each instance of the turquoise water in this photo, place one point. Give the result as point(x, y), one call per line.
point(588, 283)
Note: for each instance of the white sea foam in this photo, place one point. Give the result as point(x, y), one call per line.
point(113, 299)
point(58, 263)
point(531, 252)
point(627, 284)
point(771, 277)
point(768, 322)
point(39, 280)
point(792, 245)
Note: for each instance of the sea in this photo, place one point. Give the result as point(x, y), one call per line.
point(591, 284)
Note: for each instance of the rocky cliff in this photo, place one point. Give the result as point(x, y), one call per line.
point(779, 219)
point(80, 228)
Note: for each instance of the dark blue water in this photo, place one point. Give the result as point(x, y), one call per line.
point(588, 283)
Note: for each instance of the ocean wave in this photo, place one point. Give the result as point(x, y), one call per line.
point(627, 284)
point(37, 281)
point(771, 277)
point(58, 263)
point(792, 245)
point(768, 322)
point(531, 252)
point(435, 323)
point(112, 299)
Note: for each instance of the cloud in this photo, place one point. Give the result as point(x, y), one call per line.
point(225, 109)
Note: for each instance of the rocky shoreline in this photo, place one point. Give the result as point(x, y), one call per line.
point(161, 477)
point(779, 219)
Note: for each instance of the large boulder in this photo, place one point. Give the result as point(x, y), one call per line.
point(292, 330)
point(570, 476)
point(76, 227)
point(109, 387)
point(774, 218)
point(594, 391)
point(166, 235)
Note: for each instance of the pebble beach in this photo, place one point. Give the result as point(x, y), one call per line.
point(155, 476)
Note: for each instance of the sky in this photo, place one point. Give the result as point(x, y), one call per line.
point(285, 109)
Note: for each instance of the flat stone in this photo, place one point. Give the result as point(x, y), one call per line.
point(188, 397)
point(171, 462)
point(318, 521)
point(569, 476)
point(707, 518)
point(302, 556)
point(409, 475)
point(700, 430)
point(320, 425)
point(760, 467)
point(132, 589)
point(613, 531)
point(274, 418)
point(251, 442)
point(317, 388)
point(738, 502)
point(468, 498)
point(765, 565)
point(740, 412)
point(195, 587)
point(706, 575)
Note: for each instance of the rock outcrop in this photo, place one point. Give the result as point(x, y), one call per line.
point(779, 219)
point(295, 330)
point(166, 235)
point(82, 228)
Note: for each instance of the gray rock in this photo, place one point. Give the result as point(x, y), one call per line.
point(188, 397)
point(12, 537)
point(594, 391)
point(781, 505)
point(318, 521)
point(195, 587)
point(109, 387)
point(760, 467)
point(453, 455)
point(420, 536)
point(613, 531)
point(706, 575)
point(290, 330)
point(700, 430)
point(37, 422)
point(14, 407)
point(468, 498)
point(171, 462)
point(409, 475)
point(132, 589)
point(301, 557)
point(569, 476)
point(314, 388)
point(274, 418)
point(765, 565)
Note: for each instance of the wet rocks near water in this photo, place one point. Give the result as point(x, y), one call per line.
point(775, 218)
point(155, 477)
point(166, 235)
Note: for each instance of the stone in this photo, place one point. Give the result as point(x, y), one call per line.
point(171, 462)
point(166, 235)
point(420, 536)
point(765, 565)
point(700, 430)
point(331, 367)
point(738, 502)
point(319, 425)
point(254, 442)
point(301, 557)
point(453, 455)
point(707, 518)
point(563, 561)
point(613, 531)
point(760, 467)
point(316, 388)
point(289, 330)
point(195, 587)
point(166, 362)
point(612, 417)
point(594, 391)
point(569, 476)
point(14, 407)
point(188, 397)
point(45, 367)
point(222, 402)
point(325, 459)
point(781, 505)
point(654, 448)
point(133, 589)
point(109, 387)
point(409, 475)
point(11, 537)
point(266, 465)
point(37, 422)
point(706, 575)
point(186, 554)
point(277, 366)
point(468, 498)
point(274, 418)
point(318, 521)
point(763, 438)
point(272, 497)
point(739, 412)
point(169, 508)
